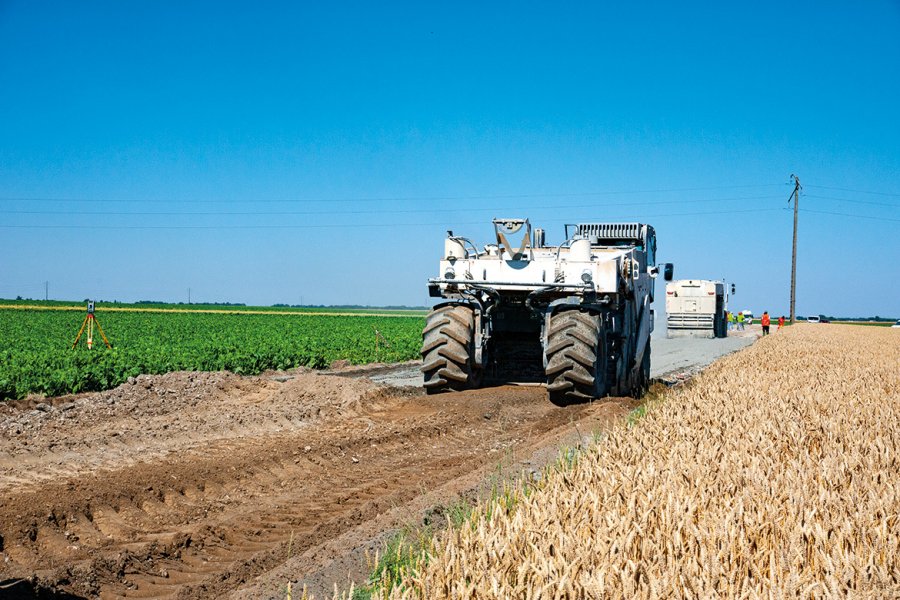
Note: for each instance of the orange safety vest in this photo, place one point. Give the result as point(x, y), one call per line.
point(765, 320)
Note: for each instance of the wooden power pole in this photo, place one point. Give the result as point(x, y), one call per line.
point(796, 197)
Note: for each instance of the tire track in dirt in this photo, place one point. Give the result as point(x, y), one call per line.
point(195, 485)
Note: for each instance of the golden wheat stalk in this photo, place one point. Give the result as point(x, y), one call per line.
point(775, 474)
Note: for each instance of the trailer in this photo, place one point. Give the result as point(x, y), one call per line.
point(696, 308)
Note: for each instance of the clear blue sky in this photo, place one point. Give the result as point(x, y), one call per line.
point(294, 151)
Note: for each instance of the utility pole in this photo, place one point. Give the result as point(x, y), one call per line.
point(795, 195)
point(189, 295)
point(46, 290)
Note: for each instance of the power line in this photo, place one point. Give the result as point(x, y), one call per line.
point(377, 211)
point(364, 225)
point(840, 189)
point(395, 198)
point(837, 214)
point(436, 210)
point(853, 201)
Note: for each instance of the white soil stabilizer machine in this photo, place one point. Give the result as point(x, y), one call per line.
point(576, 316)
point(696, 308)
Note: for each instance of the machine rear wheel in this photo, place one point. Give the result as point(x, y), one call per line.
point(720, 327)
point(448, 349)
point(576, 357)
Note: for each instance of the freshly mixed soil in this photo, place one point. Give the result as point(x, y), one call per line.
point(201, 485)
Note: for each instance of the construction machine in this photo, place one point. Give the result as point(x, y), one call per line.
point(696, 308)
point(576, 316)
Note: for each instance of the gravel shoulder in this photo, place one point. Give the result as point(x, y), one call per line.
point(677, 355)
point(670, 358)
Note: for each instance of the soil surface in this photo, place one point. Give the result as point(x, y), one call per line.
point(208, 485)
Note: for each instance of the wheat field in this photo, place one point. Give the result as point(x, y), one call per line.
point(774, 474)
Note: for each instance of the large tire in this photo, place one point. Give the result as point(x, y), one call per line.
point(448, 349)
point(720, 331)
point(576, 357)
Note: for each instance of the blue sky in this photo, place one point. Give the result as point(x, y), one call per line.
point(292, 152)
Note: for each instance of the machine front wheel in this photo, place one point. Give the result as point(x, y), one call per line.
point(576, 357)
point(448, 349)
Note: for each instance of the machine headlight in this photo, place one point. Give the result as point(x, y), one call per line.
point(587, 277)
point(450, 274)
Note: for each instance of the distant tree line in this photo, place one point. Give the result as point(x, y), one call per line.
point(192, 303)
point(354, 306)
point(875, 319)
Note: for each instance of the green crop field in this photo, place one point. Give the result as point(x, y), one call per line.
point(36, 354)
point(224, 308)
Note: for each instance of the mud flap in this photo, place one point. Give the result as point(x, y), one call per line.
point(642, 339)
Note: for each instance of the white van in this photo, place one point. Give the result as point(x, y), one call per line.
point(812, 319)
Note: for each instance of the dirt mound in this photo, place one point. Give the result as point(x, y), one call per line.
point(154, 416)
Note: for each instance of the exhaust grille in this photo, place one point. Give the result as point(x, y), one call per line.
point(600, 232)
point(690, 321)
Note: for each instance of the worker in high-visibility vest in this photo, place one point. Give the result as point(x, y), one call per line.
point(765, 322)
point(780, 321)
point(740, 321)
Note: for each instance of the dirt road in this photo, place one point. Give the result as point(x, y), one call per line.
point(192, 485)
point(201, 485)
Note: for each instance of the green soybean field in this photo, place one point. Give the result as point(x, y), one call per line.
point(36, 354)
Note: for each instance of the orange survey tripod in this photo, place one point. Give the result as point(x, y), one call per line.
point(89, 321)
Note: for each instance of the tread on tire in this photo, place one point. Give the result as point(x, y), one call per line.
point(448, 343)
point(576, 357)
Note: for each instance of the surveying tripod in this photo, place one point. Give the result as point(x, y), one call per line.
point(89, 321)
